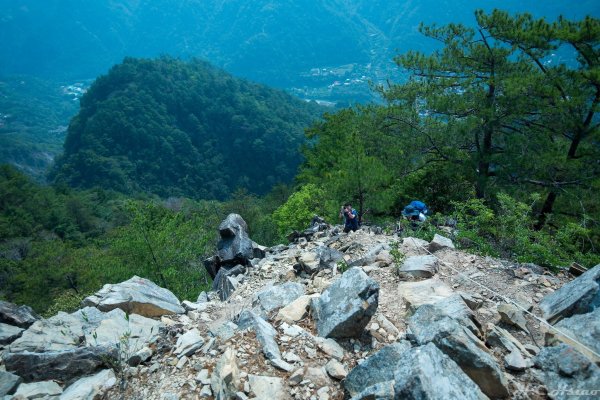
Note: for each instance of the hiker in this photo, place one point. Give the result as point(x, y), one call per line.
point(350, 218)
point(416, 211)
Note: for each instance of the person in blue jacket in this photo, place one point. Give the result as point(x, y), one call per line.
point(350, 218)
point(416, 211)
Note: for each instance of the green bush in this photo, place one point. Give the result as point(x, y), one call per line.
point(299, 209)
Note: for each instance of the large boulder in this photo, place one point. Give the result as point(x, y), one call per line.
point(577, 330)
point(419, 266)
point(345, 308)
point(136, 296)
point(432, 324)
point(427, 373)
point(278, 296)
point(440, 242)
point(579, 296)
point(59, 365)
point(235, 247)
point(91, 387)
point(379, 367)
point(567, 374)
point(21, 316)
point(429, 291)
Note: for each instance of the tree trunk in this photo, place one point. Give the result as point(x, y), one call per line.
point(546, 209)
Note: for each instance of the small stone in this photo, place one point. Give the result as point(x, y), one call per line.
point(182, 361)
point(532, 349)
point(205, 392)
point(203, 377)
point(296, 377)
point(282, 365)
point(515, 362)
point(336, 369)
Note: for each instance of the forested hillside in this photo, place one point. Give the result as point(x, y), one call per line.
point(175, 128)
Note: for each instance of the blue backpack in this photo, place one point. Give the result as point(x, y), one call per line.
point(419, 205)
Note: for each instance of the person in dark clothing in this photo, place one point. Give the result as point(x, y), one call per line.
point(350, 218)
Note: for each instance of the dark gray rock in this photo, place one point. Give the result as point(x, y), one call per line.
point(9, 333)
point(579, 296)
point(427, 373)
point(258, 251)
point(265, 333)
point(235, 247)
point(21, 316)
point(224, 283)
point(232, 225)
point(345, 308)
point(279, 296)
point(378, 368)
point(583, 327)
point(59, 365)
point(8, 383)
point(431, 323)
point(211, 265)
point(568, 374)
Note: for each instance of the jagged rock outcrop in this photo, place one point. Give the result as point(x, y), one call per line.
point(578, 330)
point(567, 373)
point(258, 342)
point(136, 296)
point(432, 324)
point(579, 296)
point(379, 367)
point(427, 373)
point(345, 308)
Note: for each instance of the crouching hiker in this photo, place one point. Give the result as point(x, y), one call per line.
point(416, 211)
point(350, 218)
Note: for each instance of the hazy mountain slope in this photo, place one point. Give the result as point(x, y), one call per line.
point(268, 40)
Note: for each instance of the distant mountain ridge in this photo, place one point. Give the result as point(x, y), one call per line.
point(264, 40)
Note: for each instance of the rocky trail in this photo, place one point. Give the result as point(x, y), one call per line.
point(363, 315)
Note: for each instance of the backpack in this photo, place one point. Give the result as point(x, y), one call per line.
point(419, 205)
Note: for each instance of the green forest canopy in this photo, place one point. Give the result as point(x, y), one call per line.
point(175, 128)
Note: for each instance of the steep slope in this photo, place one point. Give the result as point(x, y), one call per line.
point(446, 336)
point(174, 128)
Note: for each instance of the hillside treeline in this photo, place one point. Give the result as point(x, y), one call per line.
point(499, 127)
